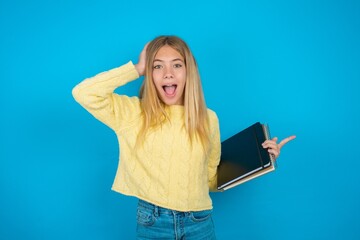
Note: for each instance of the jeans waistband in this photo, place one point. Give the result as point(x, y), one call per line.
point(160, 210)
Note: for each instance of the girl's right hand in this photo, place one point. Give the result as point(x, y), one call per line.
point(141, 65)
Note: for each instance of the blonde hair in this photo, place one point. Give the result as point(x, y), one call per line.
point(195, 110)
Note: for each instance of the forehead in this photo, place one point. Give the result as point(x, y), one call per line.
point(167, 53)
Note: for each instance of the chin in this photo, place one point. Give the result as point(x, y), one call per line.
point(171, 102)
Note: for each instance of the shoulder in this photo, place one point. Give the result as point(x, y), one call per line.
point(214, 126)
point(127, 105)
point(213, 121)
point(131, 100)
point(212, 115)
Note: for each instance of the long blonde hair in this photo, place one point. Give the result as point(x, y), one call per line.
point(195, 110)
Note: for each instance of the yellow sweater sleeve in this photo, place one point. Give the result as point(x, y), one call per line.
point(214, 155)
point(97, 96)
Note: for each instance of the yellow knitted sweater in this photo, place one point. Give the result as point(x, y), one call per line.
point(166, 170)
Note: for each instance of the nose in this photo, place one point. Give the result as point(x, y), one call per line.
point(168, 73)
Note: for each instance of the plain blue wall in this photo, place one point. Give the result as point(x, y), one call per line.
point(292, 64)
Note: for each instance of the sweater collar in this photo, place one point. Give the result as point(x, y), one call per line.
point(175, 111)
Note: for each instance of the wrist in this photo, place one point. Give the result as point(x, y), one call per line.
point(139, 69)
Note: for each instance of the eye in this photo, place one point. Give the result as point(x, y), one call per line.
point(178, 65)
point(158, 66)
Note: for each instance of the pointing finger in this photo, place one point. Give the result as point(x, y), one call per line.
point(286, 140)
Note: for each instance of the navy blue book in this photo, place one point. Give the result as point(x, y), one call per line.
point(243, 158)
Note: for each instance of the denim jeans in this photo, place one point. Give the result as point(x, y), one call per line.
point(155, 222)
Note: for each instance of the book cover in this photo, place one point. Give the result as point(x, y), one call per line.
point(243, 157)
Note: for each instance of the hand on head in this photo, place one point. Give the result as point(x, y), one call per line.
point(141, 65)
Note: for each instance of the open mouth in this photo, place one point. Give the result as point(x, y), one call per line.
point(170, 89)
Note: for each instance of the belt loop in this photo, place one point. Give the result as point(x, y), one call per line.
point(156, 211)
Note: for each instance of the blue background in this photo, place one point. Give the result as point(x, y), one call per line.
point(292, 64)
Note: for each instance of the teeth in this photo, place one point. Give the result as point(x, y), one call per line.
point(170, 85)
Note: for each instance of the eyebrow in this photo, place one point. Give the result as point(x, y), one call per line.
point(176, 59)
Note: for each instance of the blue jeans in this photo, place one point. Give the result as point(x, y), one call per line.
point(155, 222)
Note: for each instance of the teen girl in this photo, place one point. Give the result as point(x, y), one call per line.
point(169, 141)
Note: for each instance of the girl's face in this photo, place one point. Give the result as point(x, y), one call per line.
point(169, 75)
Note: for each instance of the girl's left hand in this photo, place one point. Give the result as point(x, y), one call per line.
point(273, 147)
